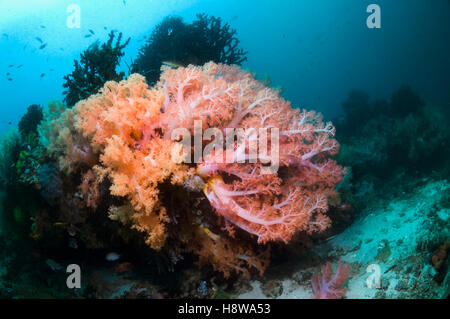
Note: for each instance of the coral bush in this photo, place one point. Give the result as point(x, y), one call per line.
point(206, 39)
point(96, 66)
point(128, 136)
point(63, 142)
point(10, 145)
point(29, 122)
point(387, 138)
point(271, 206)
point(227, 254)
point(115, 122)
point(51, 183)
point(439, 255)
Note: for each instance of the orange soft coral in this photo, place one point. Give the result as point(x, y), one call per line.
point(118, 128)
point(121, 123)
point(90, 189)
point(227, 255)
point(439, 255)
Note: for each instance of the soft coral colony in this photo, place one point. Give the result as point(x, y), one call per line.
point(122, 136)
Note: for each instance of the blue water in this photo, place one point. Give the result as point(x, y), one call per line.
point(392, 207)
point(315, 50)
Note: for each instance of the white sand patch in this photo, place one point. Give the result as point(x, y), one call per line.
point(386, 235)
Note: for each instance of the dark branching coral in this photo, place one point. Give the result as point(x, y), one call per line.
point(10, 148)
point(206, 39)
point(359, 109)
point(29, 122)
point(405, 101)
point(217, 43)
point(97, 65)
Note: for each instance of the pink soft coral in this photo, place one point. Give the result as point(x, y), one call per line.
point(271, 206)
point(329, 286)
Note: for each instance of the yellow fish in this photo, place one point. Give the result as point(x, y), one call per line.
point(59, 224)
point(210, 233)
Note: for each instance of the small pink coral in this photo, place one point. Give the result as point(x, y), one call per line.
point(329, 286)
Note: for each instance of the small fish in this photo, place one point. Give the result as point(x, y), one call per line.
point(53, 264)
point(9, 79)
point(210, 233)
point(172, 64)
point(39, 39)
point(345, 207)
point(10, 66)
point(105, 28)
point(112, 256)
point(43, 46)
point(42, 75)
point(51, 70)
point(9, 123)
point(59, 224)
point(7, 73)
point(88, 35)
point(42, 26)
point(19, 66)
point(92, 32)
point(5, 35)
point(124, 2)
point(329, 238)
point(169, 31)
